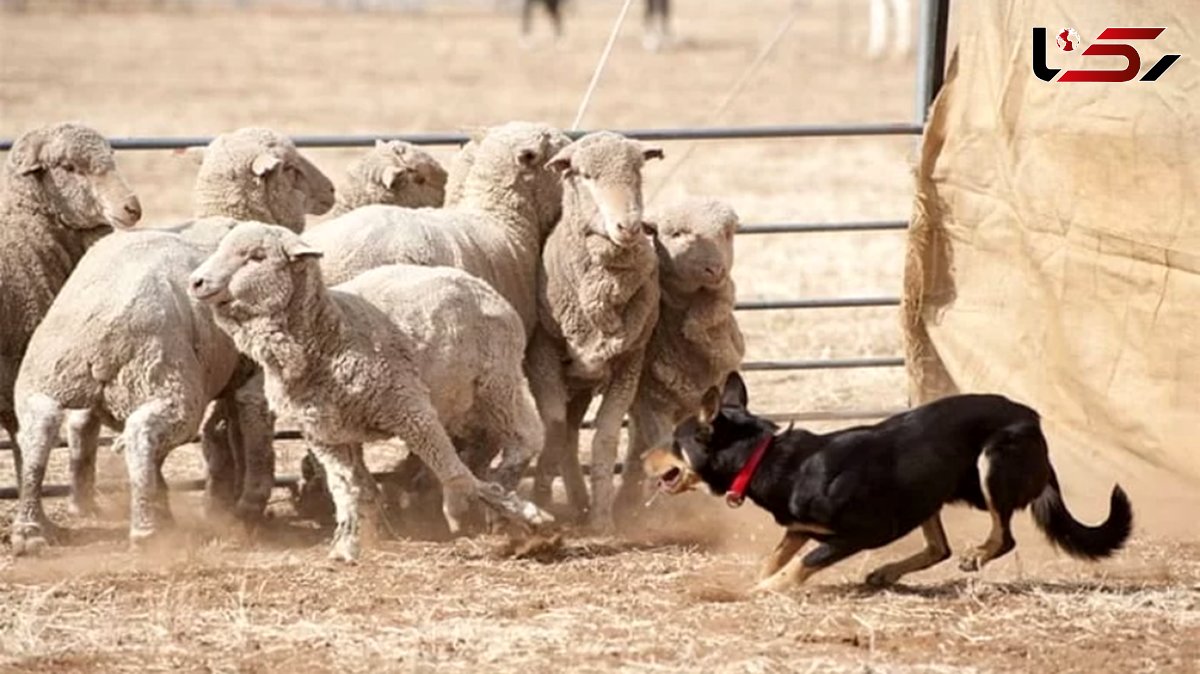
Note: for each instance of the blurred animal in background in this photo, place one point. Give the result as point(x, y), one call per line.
point(657, 31)
point(888, 21)
point(553, 9)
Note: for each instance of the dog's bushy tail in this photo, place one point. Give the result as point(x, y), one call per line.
point(1078, 539)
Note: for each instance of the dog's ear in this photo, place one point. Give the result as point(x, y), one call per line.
point(710, 405)
point(735, 394)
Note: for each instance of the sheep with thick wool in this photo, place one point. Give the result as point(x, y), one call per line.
point(696, 342)
point(392, 173)
point(468, 344)
point(60, 191)
point(340, 363)
point(123, 346)
point(504, 205)
point(598, 303)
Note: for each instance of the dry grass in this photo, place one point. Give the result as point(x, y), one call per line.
point(669, 598)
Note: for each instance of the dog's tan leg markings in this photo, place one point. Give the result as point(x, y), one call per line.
point(793, 573)
point(937, 549)
point(804, 528)
point(999, 541)
point(783, 553)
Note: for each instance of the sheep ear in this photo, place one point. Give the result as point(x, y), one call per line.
point(652, 152)
point(24, 157)
point(735, 395)
point(561, 162)
point(710, 405)
point(389, 176)
point(264, 164)
point(476, 135)
point(296, 250)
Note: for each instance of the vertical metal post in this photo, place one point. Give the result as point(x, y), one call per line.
point(931, 53)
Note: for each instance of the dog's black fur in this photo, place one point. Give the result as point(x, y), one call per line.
point(867, 486)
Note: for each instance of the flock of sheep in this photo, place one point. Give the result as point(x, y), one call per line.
point(477, 331)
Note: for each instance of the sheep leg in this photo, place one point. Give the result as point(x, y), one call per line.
point(646, 429)
point(9, 421)
point(418, 426)
point(151, 431)
point(543, 364)
point(618, 397)
point(83, 435)
point(41, 418)
point(369, 497)
point(510, 421)
point(314, 501)
point(341, 475)
point(162, 499)
point(572, 472)
point(254, 432)
point(216, 444)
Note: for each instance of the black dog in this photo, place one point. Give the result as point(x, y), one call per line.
point(864, 487)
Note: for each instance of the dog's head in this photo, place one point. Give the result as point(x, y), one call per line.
point(708, 449)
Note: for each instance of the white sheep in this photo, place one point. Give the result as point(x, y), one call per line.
point(468, 344)
point(497, 216)
point(394, 173)
point(696, 342)
point(598, 302)
point(130, 349)
point(337, 361)
point(250, 173)
point(60, 191)
point(277, 185)
point(123, 345)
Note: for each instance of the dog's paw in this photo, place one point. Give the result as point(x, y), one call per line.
point(882, 577)
point(972, 560)
point(767, 587)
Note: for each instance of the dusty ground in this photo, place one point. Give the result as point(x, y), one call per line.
point(666, 598)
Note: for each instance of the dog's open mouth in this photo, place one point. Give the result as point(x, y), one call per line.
point(671, 480)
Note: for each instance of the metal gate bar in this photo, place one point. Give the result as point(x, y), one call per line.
point(459, 138)
point(818, 227)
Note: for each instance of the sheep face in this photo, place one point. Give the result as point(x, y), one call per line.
point(261, 166)
point(695, 245)
point(399, 174)
point(515, 157)
point(77, 175)
point(256, 271)
point(609, 167)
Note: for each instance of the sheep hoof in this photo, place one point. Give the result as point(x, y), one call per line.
point(27, 539)
point(513, 507)
point(142, 540)
point(344, 550)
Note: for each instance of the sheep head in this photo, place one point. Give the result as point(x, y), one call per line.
point(509, 163)
point(394, 173)
point(70, 169)
point(256, 271)
point(609, 168)
point(257, 173)
point(694, 240)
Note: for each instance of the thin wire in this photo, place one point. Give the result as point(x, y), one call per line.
point(612, 39)
point(737, 88)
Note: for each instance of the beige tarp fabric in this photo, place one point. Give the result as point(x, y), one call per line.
point(1054, 254)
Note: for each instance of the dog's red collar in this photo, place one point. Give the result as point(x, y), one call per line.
point(736, 496)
